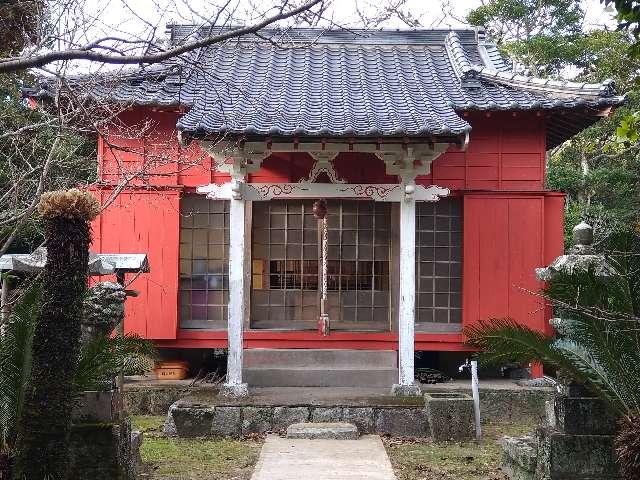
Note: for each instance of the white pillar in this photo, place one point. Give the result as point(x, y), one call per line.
point(407, 297)
point(233, 385)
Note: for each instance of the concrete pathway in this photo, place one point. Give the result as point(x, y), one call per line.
point(303, 459)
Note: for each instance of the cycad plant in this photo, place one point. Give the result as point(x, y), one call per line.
point(15, 362)
point(597, 340)
point(100, 360)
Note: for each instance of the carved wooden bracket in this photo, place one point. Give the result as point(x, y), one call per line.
point(236, 159)
point(407, 163)
point(324, 164)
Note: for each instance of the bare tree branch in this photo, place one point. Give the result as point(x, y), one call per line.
point(13, 64)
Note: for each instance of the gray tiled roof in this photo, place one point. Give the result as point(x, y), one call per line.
point(383, 83)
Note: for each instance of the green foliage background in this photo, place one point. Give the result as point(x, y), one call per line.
point(599, 168)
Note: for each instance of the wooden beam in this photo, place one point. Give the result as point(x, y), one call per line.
point(380, 192)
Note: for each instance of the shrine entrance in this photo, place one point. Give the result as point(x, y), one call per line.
point(286, 265)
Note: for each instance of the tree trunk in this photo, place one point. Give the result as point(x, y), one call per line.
point(44, 426)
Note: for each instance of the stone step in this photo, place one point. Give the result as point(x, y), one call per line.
point(318, 358)
point(320, 377)
point(333, 431)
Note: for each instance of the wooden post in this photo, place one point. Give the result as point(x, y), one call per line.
point(407, 297)
point(234, 385)
point(4, 300)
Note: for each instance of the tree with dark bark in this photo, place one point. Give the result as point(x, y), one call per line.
point(44, 425)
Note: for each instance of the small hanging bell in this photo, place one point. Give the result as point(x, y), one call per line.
point(320, 209)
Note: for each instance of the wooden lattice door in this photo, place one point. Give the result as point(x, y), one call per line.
point(285, 265)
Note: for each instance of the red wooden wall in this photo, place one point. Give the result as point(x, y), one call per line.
point(511, 224)
point(503, 241)
point(145, 221)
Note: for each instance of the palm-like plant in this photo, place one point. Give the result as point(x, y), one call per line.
point(597, 342)
point(597, 352)
point(100, 360)
point(103, 358)
point(15, 361)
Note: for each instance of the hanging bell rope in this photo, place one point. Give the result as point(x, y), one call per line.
point(320, 212)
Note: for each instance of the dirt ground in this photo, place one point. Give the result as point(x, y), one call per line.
point(425, 460)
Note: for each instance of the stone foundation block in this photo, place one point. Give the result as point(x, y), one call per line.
point(189, 420)
point(326, 414)
point(521, 454)
point(402, 422)
point(256, 419)
point(576, 457)
point(450, 416)
point(583, 416)
point(97, 407)
point(103, 451)
point(226, 422)
point(285, 416)
point(361, 417)
point(550, 414)
point(501, 405)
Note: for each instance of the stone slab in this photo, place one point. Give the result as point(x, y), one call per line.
point(320, 376)
point(335, 431)
point(326, 358)
point(295, 459)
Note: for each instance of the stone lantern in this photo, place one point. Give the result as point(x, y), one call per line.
point(577, 439)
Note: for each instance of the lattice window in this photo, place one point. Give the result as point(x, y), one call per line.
point(284, 265)
point(204, 262)
point(439, 264)
point(358, 264)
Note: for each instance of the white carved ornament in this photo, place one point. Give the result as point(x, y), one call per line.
point(379, 192)
point(406, 162)
point(323, 164)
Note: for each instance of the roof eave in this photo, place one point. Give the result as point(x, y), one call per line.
point(460, 140)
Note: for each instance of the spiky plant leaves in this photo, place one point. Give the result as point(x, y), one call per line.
point(628, 447)
point(45, 420)
point(607, 349)
point(103, 358)
point(15, 361)
point(596, 352)
point(503, 340)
